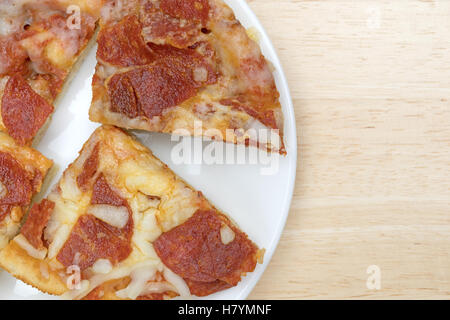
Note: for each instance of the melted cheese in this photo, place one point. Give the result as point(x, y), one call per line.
point(158, 287)
point(145, 202)
point(70, 204)
point(66, 42)
point(227, 235)
point(178, 282)
point(118, 272)
point(69, 187)
point(147, 225)
point(112, 215)
point(178, 207)
point(150, 180)
point(11, 16)
point(102, 266)
point(200, 74)
point(35, 45)
point(10, 226)
point(139, 279)
point(57, 55)
point(61, 236)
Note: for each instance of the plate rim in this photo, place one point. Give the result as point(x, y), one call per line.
point(289, 116)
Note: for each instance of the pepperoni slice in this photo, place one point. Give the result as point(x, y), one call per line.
point(191, 10)
point(202, 289)
point(103, 194)
point(16, 180)
point(195, 251)
point(12, 57)
point(92, 239)
point(267, 117)
point(163, 29)
point(89, 170)
point(150, 90)
point(189, 61)
point(37, 219)
point(123, 97)
point(123, 45)
point(261, 84)
point(24, 112)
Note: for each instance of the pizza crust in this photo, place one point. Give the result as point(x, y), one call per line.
point(17, 262)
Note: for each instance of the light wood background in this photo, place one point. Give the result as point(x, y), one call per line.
point(371, 87)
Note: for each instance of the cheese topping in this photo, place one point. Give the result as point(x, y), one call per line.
point(152, 181)
point(227, 235)
point(117, 272)
point(178, 207)
point(11, 16)
point(112, 215)
point(61, 236)
point(146, 202)
point(69, 187)
point(139, 279)
point(102, 266)
point(158, 287)
point(178, 282)
point(200, 74)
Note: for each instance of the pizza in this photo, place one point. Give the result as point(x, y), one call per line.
point(22, 171)
point(40, 41)
point(121, 225)
point(170, 66)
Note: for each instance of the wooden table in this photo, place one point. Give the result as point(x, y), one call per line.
point(371, 86)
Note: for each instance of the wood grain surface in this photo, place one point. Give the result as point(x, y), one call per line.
point(370, 82)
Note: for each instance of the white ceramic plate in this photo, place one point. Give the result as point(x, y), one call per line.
point(258, 203)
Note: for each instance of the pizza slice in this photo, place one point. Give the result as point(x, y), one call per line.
point(121, 225)
point(22, 171)
point(186, 67)
point(40, 41)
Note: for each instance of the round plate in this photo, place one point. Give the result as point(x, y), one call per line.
point(258, 203)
